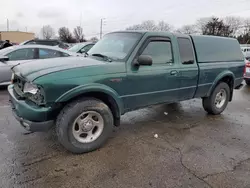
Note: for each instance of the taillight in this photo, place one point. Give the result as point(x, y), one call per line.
point(246, 66)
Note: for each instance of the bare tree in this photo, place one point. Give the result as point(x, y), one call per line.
point(234, 23)
point(163, 26)
point(78, 33)
point(65, 35)
point(244, 37)
point(94, 39)
point(37, 35)
point(47, 32)
point(246, 26)
point(201, 24)
point(187, 29)
point(217, 27)
point(150, 25)
point(134, 27)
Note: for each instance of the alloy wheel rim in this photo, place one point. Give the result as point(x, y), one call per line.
point(220, 98)
point(88, 126)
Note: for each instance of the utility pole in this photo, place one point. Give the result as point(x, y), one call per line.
point(102, 23)
point(101, 29)
point(7, 24)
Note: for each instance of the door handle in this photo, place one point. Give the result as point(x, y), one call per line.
point(174, 73)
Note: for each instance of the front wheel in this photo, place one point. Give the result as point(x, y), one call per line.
point(218, 100)
point(84, 125)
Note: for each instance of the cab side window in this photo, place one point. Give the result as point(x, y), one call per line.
point(160, 51)
point(186, 51)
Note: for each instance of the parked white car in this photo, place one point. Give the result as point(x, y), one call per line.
point(246, 50)
point(23, 53)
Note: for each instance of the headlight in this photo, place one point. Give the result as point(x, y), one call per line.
point(30, 88)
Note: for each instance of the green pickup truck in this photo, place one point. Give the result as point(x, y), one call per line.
point(84, 97)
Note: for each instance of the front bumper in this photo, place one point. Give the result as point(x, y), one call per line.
point(31, 117)
point(34, 126)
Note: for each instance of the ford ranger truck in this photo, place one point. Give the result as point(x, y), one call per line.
point(84, 97)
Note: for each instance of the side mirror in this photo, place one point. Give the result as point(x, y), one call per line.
point(4, 58)
point(188, 62)
point(82, 51)
point(145, 60)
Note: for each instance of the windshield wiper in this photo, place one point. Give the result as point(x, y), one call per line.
point(14, 66)
point(106, 58)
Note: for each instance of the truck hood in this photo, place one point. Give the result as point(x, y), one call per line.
point(46, 66)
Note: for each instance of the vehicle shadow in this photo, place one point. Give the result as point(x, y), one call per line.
point(2, 88)
point(176, 115)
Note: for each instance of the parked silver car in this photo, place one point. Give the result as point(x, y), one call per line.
point(55, 43)
point(23, 53)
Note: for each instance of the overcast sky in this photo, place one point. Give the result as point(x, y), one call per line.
point(118, 14)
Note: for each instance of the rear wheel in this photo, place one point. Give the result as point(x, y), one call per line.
point(248, 82)
point(218, 100)
point(84, 125)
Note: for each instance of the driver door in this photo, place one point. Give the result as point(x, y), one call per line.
point(157, 83)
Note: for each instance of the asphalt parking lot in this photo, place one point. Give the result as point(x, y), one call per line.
point(193, 149)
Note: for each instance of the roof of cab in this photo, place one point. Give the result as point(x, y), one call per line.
point(152, 32)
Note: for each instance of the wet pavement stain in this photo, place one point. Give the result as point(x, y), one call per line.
point(192, 149)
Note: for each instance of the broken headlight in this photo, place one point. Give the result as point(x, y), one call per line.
point(30, 88)
point(34, 93)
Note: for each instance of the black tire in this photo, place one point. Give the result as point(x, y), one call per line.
point(248, 82)
point(209, 102)
point(68, 115)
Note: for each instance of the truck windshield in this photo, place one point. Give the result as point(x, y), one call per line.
point(116, 46)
